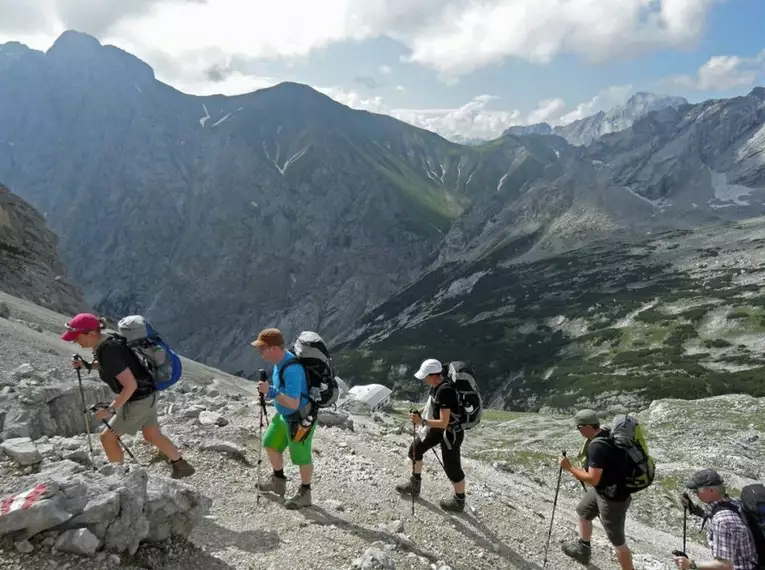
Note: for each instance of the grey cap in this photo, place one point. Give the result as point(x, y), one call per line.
point(704, 478)
point(587, 418)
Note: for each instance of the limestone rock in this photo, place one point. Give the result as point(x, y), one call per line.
point(78, 541)
point(21, 450)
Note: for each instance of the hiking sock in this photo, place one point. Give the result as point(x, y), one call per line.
point(584, 543)
point(305, 486)
point(279, 474)
point(177, 460)
point(418, 476)
point(460, 497)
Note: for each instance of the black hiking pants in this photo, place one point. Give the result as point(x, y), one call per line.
point(450, 443)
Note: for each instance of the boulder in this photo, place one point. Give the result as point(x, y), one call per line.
point(227, 447)
point(330, 418)
point(23, 371)
point(374, 559)
point(47, 405)
point(212, 419)
point(78, 541)
point(112, 508)
point(21, 450)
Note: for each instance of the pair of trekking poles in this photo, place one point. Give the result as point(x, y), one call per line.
point(555, 503)
point(95, 408)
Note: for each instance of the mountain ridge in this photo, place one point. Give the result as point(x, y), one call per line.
point(161, 155)
point(585, 131)
point(219, 215)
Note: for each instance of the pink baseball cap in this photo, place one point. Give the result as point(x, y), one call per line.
point(82, 323)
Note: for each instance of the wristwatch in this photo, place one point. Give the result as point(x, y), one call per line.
point(112, 410)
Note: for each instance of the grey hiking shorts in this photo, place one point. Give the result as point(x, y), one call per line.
point(612, 514)
point(135, 415)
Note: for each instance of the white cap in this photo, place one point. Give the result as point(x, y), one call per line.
point(430, 366)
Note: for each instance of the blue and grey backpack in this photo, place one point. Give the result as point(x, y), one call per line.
point(161, 361)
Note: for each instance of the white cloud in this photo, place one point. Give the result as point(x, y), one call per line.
point(606, 99)
point(385, 69)
point(477, 119)
point(354, 99)
point(472, 120)
point(469, 35)
point(723, 72)
point(547, 111)
point(451, 36)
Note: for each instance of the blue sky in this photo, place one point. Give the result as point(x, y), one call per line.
point(464, 68)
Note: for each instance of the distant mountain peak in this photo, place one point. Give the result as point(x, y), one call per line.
point(589, 129)
point(535, 129)
point(72, 40)
point(77, 49)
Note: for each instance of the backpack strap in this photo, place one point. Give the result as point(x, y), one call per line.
point(287, 365)
point(114, 338)
point(111, 338)
point(724, 505)
point(455, 425)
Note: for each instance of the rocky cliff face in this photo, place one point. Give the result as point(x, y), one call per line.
point(31, 268)
point(585, 131)
point(708, 155)
point(278, 208)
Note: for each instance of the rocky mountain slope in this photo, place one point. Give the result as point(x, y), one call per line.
point(679, 313)
point(217, 216)
point(29, 258)
point(708, 155)
point(587, 130)
point(279, 207)
point(555, 321)
point(357, 517)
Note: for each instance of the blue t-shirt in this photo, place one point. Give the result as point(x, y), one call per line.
point(292, 383)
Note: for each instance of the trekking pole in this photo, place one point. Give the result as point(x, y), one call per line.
point(414, 445)
point(685, 526)
point(552, 516)
point(78, 358)
point(439, 459)
point(96, 407)
point(260, 431)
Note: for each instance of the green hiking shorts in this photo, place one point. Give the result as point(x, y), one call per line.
point(278, 438)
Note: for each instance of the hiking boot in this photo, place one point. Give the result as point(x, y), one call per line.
point(411, 487)
point(301, 499)
point(453, 504)
point(181, 469)
point(277, 486)
point(578, 551)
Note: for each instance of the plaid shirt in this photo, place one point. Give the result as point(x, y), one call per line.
point(730, 539)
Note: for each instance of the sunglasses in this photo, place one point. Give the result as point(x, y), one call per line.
point(70, 328)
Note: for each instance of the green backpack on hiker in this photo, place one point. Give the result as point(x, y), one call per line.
point(627, 433)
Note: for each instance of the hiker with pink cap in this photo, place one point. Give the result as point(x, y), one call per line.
point(135, 404)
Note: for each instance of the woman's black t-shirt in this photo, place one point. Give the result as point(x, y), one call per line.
point(113, 357)
point(445, 396)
